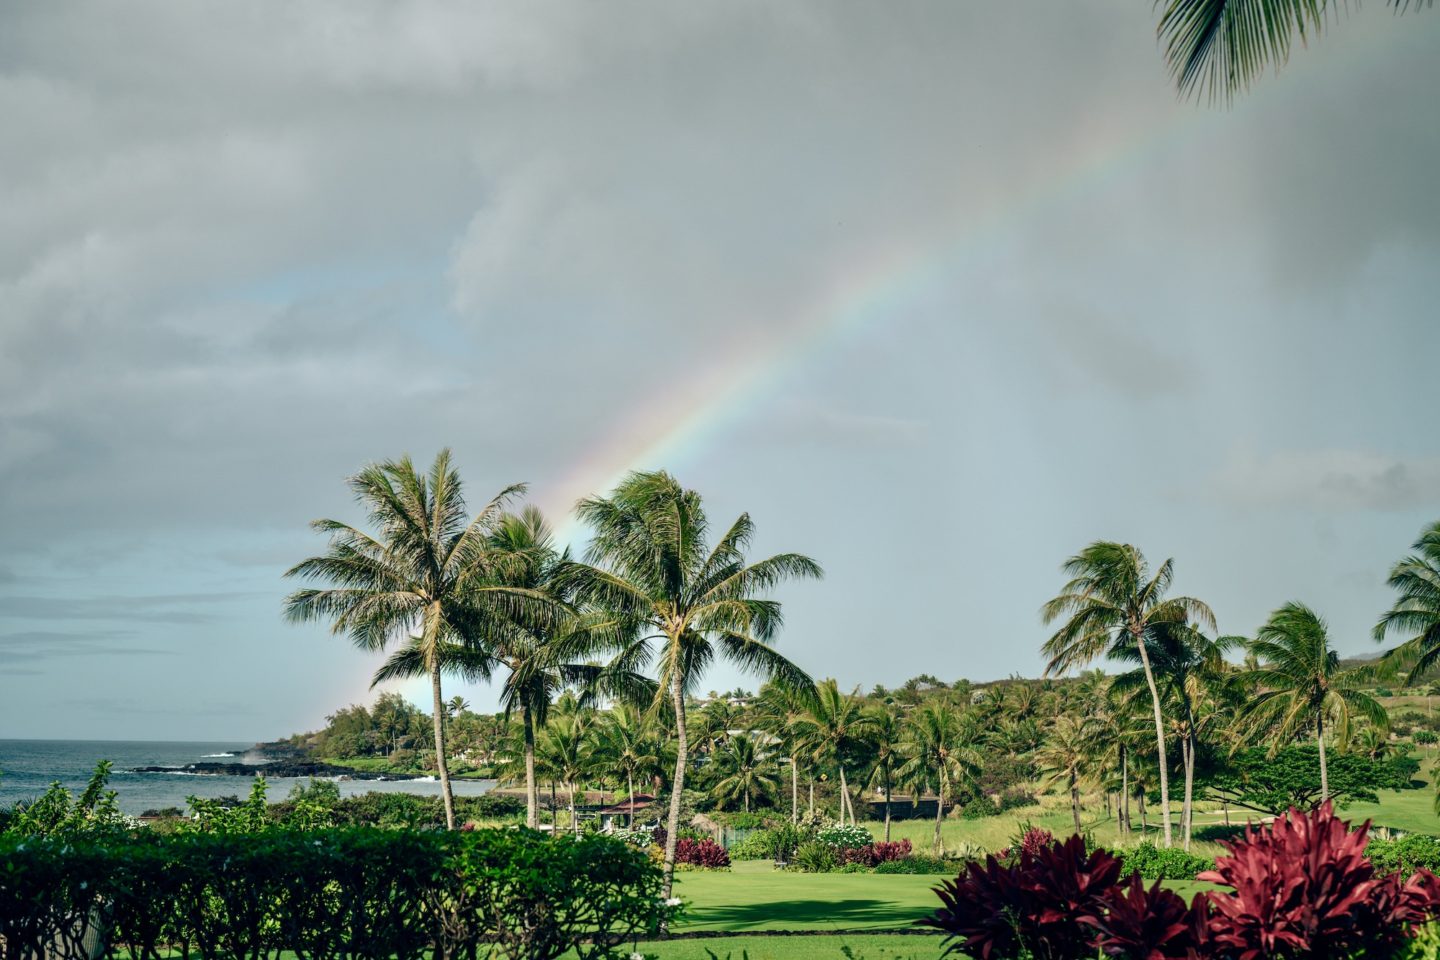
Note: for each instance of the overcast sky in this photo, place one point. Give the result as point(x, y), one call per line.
point(939, 292)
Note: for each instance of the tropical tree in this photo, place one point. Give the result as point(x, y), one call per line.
point(1301, 685)
point(1113, 603)
point(653, 579)
point(626, 741)
point(743, 771)
point(1191, 670)
point(1221, 46)
point(1415, 614)
point(833, 726)
point(564, 744)
point(455, 706)
point(421, 576)
point(884, 734)
point(940, 750)
point(776, 710)
point(1066, 756)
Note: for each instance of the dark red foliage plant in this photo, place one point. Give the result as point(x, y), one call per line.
point(701, 853)
point(1303, 888)
point(1033, 906)
point(1153, 923)
point(874, 854)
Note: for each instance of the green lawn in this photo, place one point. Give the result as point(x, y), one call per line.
point(822, 947)
point(1410, 810)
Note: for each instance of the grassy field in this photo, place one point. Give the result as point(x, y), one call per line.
point(823, 947)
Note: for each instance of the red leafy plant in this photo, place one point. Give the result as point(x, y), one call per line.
point(874, 854)
point(701, 853)
point(1303, 888)
point(1148, 924)
point(1033, 906)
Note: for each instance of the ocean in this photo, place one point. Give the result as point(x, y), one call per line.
point(28, 767)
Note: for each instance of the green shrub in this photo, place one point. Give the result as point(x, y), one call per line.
point(1384, 692)
point(1426, 736)
point(814, 857)
point(1162, 863)
point(759, 845)
point(329, 893)
point(1416, 851)
point(844, 835)
point(919, 864)
point(981, 806)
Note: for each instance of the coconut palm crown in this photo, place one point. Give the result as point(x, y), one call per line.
point(1113, 603)
point(418, 577)
point(681, 602)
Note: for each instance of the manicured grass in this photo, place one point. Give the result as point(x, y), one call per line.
point(752, 896)
point(1410, 810)
point(814, 947)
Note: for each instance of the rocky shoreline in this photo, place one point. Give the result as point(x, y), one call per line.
point(274, 768)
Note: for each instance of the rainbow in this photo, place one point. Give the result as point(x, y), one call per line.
point(682, 416)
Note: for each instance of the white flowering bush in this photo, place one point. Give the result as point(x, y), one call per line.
point(843, 836)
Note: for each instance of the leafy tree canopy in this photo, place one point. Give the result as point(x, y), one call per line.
point(1255, 780)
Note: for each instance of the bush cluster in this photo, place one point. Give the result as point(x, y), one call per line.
point(354, 892)
point(1162, 863)
point(1300, 888)
point(705, 853)
point(1405, 855)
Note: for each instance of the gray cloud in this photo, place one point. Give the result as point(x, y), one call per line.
point(1331, 480)
point(974, 255)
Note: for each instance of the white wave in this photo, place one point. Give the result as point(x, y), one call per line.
point(209, 755)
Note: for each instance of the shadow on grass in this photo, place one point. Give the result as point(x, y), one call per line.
point(1219, 831)
point(841, 913)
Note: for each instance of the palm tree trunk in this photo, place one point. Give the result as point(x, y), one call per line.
point(532, 789)
point(440, 745)
point(844, 797)
point(887, 804)
point(794, 790)
point(1125, 792)
point(574, 814)
point(630, 785)
point(812, 796)
point(939, 813)
point(1324, 772)
point(1139, 639)
point(677, 699)
point(1075, 800)
point(1189, 789)
point(1144, 820)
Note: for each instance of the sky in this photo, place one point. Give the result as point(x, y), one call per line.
point(938, 292)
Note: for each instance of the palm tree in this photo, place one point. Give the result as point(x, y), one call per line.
point(940, 752)
point(626, 741)
point(1416, 611)
point(422, 576)
point(1221, 46)
point(743, 771)
point(455, 706)
point(884, 734)
point(1302, 686)
point(833, 725)
point(564, 744)
point(1191, 669)
point(1066, 755)
point(1112, 603)
point(650, 570)
point(776, 710)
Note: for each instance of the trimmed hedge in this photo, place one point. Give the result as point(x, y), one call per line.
point(327, 894)
point(1163, 863)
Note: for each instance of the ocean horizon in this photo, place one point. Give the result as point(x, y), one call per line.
point(28, 767)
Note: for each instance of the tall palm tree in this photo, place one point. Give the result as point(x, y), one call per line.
point(1301, 685)
point(884, 734)
point(626, 740)
point(680, 601)
point(1416, 611)
point(565, 745)
point(420, 576)
point(776, 710)
point(1112, 603)
point(743, 771)
point(833, 725)
point(940, 753)
point(1221, 46)
point(1190, 668)
point(1066, 755)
